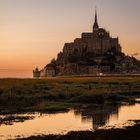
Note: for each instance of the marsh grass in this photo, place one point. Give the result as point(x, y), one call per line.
point(56, 93)
point(9, 120)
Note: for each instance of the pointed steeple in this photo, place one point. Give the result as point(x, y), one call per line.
point(95, 26)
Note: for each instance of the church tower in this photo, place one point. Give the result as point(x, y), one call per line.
point(95, 26)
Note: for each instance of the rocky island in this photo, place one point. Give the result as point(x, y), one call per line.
point(94, 53)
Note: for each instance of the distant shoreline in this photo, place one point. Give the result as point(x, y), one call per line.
point(76, 76)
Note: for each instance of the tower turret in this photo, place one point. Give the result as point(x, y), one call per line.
point(95, 26)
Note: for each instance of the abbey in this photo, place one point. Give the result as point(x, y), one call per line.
point(95, 52)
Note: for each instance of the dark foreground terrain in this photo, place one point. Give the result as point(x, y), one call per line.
point(128, 133)
point(62, 93)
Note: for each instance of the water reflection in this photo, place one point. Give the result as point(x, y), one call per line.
point(99, 116)
point(78, 119)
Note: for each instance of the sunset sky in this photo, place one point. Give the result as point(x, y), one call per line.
point(32, 32)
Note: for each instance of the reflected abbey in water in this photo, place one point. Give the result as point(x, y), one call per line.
point(99, 116)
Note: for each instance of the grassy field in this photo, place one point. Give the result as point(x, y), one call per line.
point(62, 93)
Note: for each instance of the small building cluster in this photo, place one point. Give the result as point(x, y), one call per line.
point(95, 52)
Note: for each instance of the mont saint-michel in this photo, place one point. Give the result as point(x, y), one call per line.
point(94, 53)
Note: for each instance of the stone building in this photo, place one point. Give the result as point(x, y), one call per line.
point(95, 52)
point(36, 73)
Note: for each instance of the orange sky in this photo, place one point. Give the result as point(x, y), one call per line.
point(33, 32)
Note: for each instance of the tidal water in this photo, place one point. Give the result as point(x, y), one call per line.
point(74, 120)
point(15, 73)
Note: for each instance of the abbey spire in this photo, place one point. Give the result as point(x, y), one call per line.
point(95, 26)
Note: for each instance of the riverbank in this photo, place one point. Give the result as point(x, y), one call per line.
point(11, 119)
point(127, 133)
point(62, 93)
